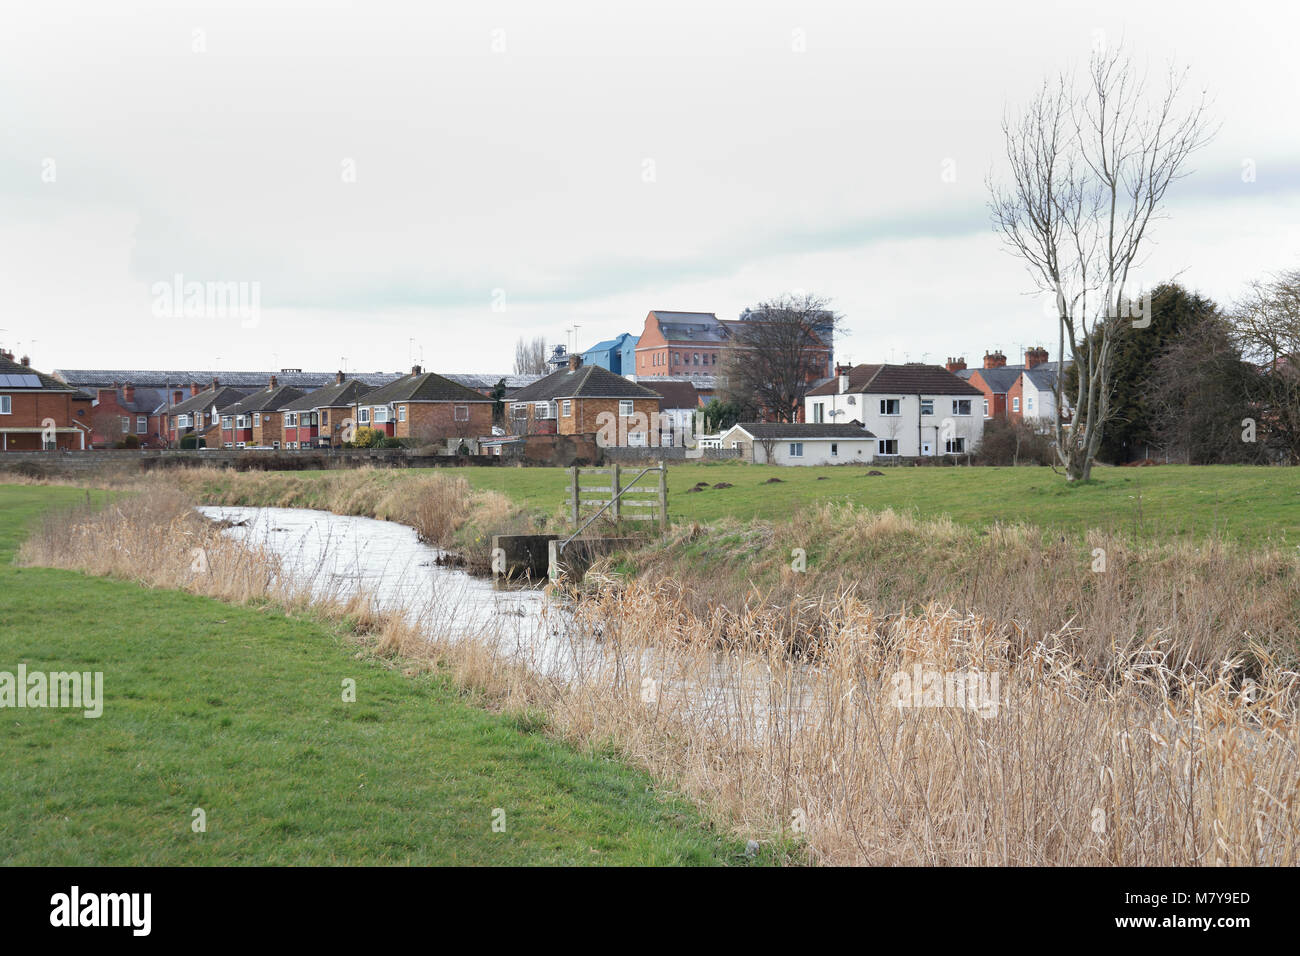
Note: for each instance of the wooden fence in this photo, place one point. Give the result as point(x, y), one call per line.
point(643, 498)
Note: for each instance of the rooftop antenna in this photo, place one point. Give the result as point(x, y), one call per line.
point(344, 360)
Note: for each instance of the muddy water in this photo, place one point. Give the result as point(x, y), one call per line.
point(342, 556)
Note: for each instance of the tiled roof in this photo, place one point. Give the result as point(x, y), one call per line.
point(163, 378)
point(780, 431)
point(911, 379)
point(48, 382)
point(331, 396)
point(271, 398)
point(1000, 379)
point(1043, 376)
point(489, 382)
point(425, 387)
point(676, 394)
point(223, 397)
point(146, 400)
point(691, 326)
point(587, 381)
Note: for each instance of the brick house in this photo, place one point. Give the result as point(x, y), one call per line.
point(1014, 392)
point(200, 414)
point(38, 411)
point(584, 400)
point(257, 420)
point(126, 410)
point(426, 408)
point(319, 418)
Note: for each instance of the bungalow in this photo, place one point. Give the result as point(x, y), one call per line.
point(320, 418)
point(200, 414)
point(587, 399)
point(797, 443)
point(257, 420)
point(37, 411)
point(914, 409)
point(426, 407)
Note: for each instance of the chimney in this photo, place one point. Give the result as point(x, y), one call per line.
point(6, 354)
point(25, 361)
point(956, 364)
point(177, 396)
point(844, 380)
point(416, 370)
point(575, 360)
point(194, 389)
point(1035, 356)
point(271, 383)
point(994, 360)
point(215, 383)
point(128, 393)
point(843, 369)
point(338, 378)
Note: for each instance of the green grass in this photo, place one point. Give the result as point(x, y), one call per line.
point(239, 711)
point(1250, 505)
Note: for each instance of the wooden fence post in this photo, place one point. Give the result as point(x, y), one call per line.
point(617, 505)
point(663, 496)
point(574, 471)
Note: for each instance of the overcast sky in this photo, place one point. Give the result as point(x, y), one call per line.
point(461, 174)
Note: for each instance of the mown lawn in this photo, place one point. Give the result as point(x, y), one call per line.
point(1245, 504)
point(239, 712)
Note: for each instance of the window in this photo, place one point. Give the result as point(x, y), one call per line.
point(835, 450)
point(381, 414)
point(961, 406)
point(567, 407)
point(695, 358)
point(1015, 404)
point(325, 417)
point(986, 408)
point(891, 406)
point(796, 449)
point(182, 421)
point(543, 409)
point(927, 406)
point(241, 421)
point(819, 411)
point(677, 358)
point(275, 444)
point(887, 446)
point(126, 426)
point(141, 424)
point(257, 419)
point(461, 413)
point(625, 408)
point(519, 411)
point(636, 439)
point(1029, 403)
point(401, 413)
point(954, 446)
point(227, 422)
point(365, 414)
point(290, 419)
point(6, 405)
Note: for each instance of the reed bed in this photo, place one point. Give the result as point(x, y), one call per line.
point(1134, 756)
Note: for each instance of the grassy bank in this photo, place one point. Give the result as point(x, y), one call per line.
point(238, 710)
point(1250, 506)
point(1130, 757)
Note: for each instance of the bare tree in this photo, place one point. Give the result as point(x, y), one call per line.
point(530, 356)
point(779, 349)
point(1266, 327)
point(1089, 173)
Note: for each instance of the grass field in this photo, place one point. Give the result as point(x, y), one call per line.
point(1249, 505)
point(239, 711)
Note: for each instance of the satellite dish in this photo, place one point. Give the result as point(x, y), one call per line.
point(852, 400)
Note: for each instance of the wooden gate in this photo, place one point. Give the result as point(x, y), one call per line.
point(644, 497)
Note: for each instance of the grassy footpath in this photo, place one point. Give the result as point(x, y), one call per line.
point(239, 711)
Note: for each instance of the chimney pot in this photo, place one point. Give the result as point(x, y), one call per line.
point(272, 382)
point(575, 360)
point(1035, 356)
point(416, 370)
point(956, 364)
point(994, 360)
point(194, 389)
point(338, 378)
point(25, 361)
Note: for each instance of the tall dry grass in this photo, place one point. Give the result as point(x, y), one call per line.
point(1132, 758)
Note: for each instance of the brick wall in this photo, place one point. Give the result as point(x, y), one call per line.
point(435, 422)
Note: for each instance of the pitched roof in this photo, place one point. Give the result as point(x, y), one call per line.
point(424, 387)
point(177, 378)
point(691, 326)
point(676, 394)
point(331, 396)
point(146, 400)
point(779, 431)
point(586, 381)
point(1000, 379)
point(489, 382)
point(269, 399)
point(222, 397)
point(912, 378)
point(17, 375)
point(1043, 376)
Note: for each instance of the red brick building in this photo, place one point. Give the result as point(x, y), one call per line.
point(425, 408)
point(257, 420)
point(37, 411)
point(124, 411)
point(320, 418)
point(200, 414)
point(584, 400)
